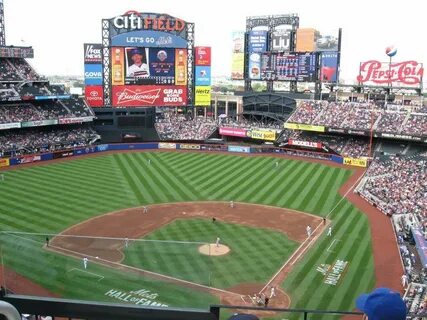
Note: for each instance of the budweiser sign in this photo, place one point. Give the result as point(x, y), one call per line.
point(403, 73)
point(144, 96)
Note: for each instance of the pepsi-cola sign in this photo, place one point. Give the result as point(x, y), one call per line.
point(408, 73)
point(93, 52)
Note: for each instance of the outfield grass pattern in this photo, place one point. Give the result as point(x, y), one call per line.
point(48, 199)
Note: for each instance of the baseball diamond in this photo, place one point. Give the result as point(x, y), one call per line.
point(130, 250)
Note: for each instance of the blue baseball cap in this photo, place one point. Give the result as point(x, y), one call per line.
point(382, 304)
point(136, 51)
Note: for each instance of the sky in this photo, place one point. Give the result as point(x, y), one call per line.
point(57, 29)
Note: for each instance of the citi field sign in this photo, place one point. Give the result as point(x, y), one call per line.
point(134, 20)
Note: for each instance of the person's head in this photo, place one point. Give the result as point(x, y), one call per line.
point(136, 56)
point(382, 304)
point(162, 55)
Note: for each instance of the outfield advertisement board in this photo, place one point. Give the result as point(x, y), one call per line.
point(75, 120)
point(203, 56)
point(188, 146)
point(93, 53)
point(239, 149)
point(4, 163)
point(238, 58)
point(329, 66)
point(258, 41)
point(39, 123)
point(203, 75)
point(167, 145)
point(94, 96)
point(307, 144)
point(93, 74)
point(202, 96)
point(13, 125)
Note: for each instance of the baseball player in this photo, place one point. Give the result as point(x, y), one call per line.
point(308, 229)
point(329, 231)
point(126, 242)
point(47, 241)
point(85, 260)
point(2, 177)
point(277, 164)
point(272, 292)
point(404, 281)
point(149, 161)
point(217, 242)
point(231, 204)
point(145, 209)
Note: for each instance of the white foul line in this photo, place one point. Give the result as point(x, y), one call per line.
point(96, 275)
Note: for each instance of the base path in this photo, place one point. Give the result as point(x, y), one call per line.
point(89, 237)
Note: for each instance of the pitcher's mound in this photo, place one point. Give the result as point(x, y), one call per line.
point(212, 250)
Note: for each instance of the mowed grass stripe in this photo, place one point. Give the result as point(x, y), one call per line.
point(187, 192)
point(327, 198)
point(132, 183)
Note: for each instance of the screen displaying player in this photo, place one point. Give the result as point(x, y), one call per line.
point(137, 64)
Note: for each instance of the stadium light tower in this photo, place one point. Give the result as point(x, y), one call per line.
point(2, 31)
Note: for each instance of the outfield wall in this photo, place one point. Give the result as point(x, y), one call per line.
point(180, 146)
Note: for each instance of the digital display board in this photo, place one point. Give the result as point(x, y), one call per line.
point(16, 52)
point(288, 67)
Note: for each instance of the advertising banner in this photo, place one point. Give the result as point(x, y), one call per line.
point(329, 66)
point(421, 245)
point(63, 154)
point(167, 145)
point(147, 38)
point(93, 74)
point(39, 123)
point(304, 127)
point(257, 41)
point(281, 40)
point(4, 163)
point(13, 125)
point(203, 76)
point(327, 40)
point(203, 56)
point(180, 67)
point(187, 146)
point(336, 159)
point(237, 66)
point(75, 120)
point(102, 147)
point(255, 66)
point(117, 66)
point(305, 40)
point(203, 96)
point(267, 135)
point(28, 159)
point(233, 132)
point(149, 96)
point(308, 144)
point(93, 53)
point(239, 149)
point(94, 96)
point(238, 58)
point(355, 162)
point(407, 73)
point(52, 97)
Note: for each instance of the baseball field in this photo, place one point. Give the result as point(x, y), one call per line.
point(93, 207)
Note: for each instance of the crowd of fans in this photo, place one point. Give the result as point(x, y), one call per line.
point(17, 69)
point(175, 126)
point(360, 116)
point(30, 112)
point(33, 141)
point(8, 92)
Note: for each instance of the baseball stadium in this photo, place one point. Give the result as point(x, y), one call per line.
point(155, 195)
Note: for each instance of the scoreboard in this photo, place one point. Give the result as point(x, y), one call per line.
point(288, 67)
point(16, 52)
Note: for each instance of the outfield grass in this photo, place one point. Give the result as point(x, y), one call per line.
point(50, 198)
point(256, 254)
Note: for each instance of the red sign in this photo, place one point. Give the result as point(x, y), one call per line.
point(94, 96)
point(406, 73)
point(308, 144)
point(233, 132)
point(203, 56)
point(149, 96)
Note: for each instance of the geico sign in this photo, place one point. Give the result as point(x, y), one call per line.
point(135, 20)
point(91, 74)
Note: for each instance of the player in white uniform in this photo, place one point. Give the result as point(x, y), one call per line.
point(277, 164)
point(126, 242)
point(145, 209)
point(138, 69)
point(217, 241)
point(272, 292)
point(85, 260)
point(329, 231)
point(308, 231)
point(231, 204)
